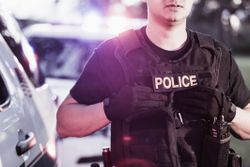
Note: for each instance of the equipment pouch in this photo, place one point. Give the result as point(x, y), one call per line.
point(216, 146)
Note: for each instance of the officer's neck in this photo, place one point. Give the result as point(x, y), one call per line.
point(170, 37)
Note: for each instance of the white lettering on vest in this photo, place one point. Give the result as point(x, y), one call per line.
point(166, 82)
point(158, 81)
point(185, 83)
point(173, 84)
point(193, 80)
point(179, 80)
point(162, 83)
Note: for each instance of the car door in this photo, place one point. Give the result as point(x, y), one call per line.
point(42, 94)
point(19, 138)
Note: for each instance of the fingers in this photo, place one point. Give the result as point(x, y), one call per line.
point(208, 90)
point(191, 95)
point(146, 93)
point(199, 92)
point(191, 105)
point(140, 88)
point(152, 96)
point(150, 104)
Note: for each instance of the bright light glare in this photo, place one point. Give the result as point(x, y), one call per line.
point(235, 23)
point(117, 24)
point(29, 54)
point(92, 20)
point(51, 149)
point(237, 2)
point(131, 2)
point(213, 5)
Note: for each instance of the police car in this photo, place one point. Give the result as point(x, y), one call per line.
point(28, 127)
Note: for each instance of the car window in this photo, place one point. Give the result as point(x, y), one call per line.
point(13, 36)
point(4, 94)
point(62, 58)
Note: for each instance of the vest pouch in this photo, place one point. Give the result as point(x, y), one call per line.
point(150, 146)
point(152, 138)
point(190, 140)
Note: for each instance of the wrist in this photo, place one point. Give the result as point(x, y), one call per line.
point(231, 112)
point(106, 103)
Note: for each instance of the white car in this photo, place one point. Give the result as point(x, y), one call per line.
point(22, 50)
point(24, 138)
point(38, 102)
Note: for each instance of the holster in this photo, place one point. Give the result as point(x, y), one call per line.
point(234, 159)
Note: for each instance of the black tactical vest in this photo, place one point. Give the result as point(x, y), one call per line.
point(163, 139)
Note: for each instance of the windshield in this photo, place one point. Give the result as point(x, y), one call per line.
point(62, 58)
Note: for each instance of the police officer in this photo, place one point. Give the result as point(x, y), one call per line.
point(158, 87)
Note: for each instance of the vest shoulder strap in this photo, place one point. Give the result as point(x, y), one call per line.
point(205, 41)
point(129, 41)
point(215, 46)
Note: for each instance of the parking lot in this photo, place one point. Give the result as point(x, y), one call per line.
point(39, 65)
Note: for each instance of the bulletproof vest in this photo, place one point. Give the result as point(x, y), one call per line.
point(173, 138)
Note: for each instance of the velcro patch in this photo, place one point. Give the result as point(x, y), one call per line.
point(167, 83)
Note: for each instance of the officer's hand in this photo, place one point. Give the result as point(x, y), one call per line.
point(132, 99)
point(206, 101)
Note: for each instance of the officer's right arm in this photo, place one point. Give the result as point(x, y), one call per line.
point(78, 120)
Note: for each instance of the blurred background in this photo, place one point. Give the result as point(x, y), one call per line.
point(63, 34)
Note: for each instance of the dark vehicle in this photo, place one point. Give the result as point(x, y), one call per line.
point(227, 21)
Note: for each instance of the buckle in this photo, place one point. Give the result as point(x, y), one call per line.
point(178, 119)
